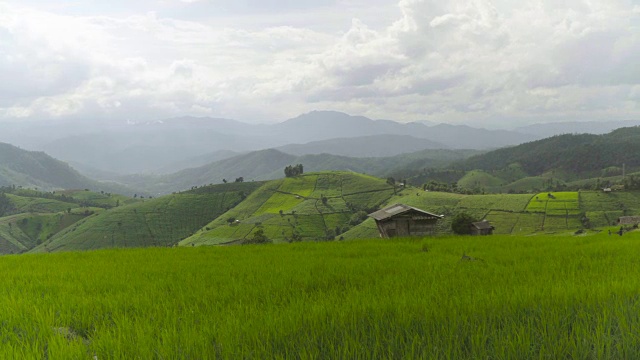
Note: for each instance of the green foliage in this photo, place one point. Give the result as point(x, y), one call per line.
point(6, 205)
point(461, 222)
point(570, 155)
point(258, 237)
point(358, 217)
point(528, 298)
point(291, 171)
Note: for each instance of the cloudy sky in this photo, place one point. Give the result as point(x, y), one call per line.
point(497, 64)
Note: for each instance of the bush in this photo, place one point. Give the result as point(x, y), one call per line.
point(258, 238)
point(358, 217)
point(460, 223)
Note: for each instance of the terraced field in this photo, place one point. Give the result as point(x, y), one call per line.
point(313, 206)
point(316, 206)
point(555, 212)
point(154, 222)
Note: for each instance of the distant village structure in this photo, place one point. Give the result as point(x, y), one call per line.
point(481, 228)
point(403, 220)
point(629, 220)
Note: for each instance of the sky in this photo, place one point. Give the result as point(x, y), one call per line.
point(493, 64)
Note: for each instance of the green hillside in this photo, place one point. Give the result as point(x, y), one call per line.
point(573, 156)
point(34, 169)
point(152, 222)
point(313, 206)
point(478, 179)
point(29, 217)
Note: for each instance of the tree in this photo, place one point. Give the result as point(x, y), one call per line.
point(258, 238)
point(391, 181)
point(461, 223)
point(224, 181)
point(240, 179)
point(358, 217)
point(291, 171)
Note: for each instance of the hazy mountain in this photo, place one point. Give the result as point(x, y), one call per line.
point(365, 146)
point(142, 149)
point(161, 146)
point(269, 164)
point(575, 127)
point(323, 125)
point(197, 161)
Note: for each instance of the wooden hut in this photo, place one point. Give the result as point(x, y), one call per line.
point(629, 220)
point(481, 228)
point(404, 220)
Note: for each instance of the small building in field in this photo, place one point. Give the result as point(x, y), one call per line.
point(481, 228)
point(629, 220)
point(403, 220)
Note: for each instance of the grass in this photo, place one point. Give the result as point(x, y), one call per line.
point(525, 298)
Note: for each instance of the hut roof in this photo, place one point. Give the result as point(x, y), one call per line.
point(482, 225)
point(398, 209)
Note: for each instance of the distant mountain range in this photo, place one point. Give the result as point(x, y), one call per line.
point(269, 164)
point(166, 146)
point(108, 150)
point(364, 146)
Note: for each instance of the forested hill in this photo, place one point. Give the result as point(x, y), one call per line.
point(580, 155)
point(36, 169)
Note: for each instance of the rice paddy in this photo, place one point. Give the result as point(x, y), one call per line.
point(511, 298)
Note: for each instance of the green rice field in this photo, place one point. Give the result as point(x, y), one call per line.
point(509, 297)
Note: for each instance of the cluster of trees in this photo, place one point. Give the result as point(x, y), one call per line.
point(291, 171)
point(460, 223)
point(6, 206)
point(631, 182)
point(450, 188)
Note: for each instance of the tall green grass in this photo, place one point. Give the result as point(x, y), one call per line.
point(520, 298)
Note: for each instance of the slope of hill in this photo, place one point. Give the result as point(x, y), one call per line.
point(28, 217)
point(309, 207)
point(575, 127)
point(35, 169)
point(153, 222)
point(560, 159)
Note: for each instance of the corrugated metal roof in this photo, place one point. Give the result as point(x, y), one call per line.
point(398, 209)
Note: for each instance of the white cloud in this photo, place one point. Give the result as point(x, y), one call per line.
point(456, 61)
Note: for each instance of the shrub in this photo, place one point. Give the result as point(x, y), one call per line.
point(460, 223)
point(258, 238)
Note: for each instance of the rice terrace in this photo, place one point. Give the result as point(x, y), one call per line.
point(557, 278)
